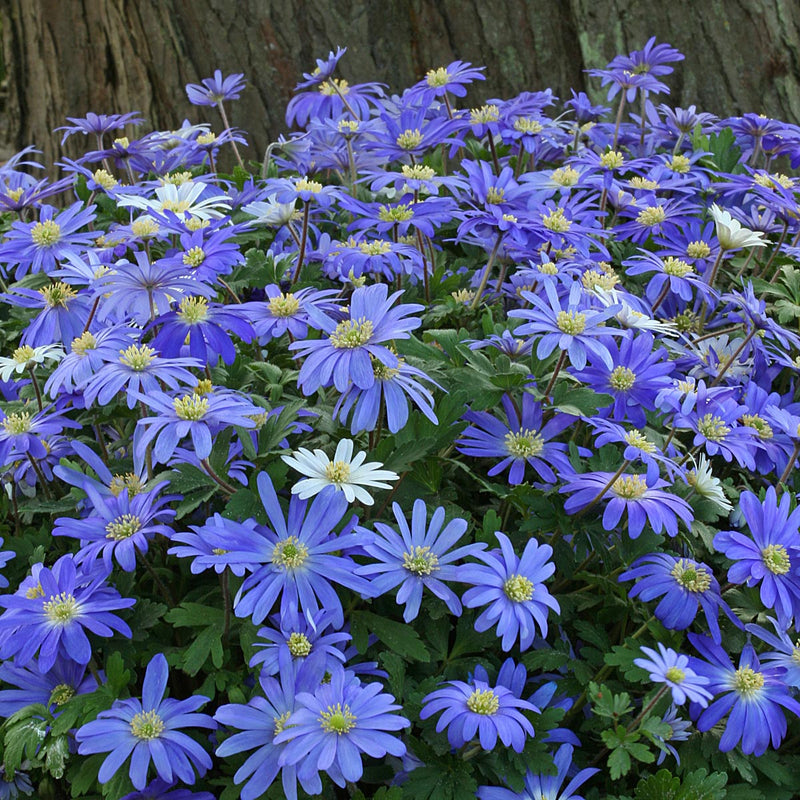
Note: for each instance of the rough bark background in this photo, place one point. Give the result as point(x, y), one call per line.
point(67, 57)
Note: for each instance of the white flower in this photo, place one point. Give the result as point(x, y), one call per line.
point(629, 317)
point(346, 473)
point(270, 212)
point(183, 199)
point(27, 357)
point(730, 232)
point(706, 485)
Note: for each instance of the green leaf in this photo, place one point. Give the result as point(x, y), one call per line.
point(207, 642)
point(619, 764)
point(578, 400)
point(117, 677)
point(397, 636)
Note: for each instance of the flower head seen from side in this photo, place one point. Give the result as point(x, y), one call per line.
point(478, 710)
point(672, 669)
point(346, 473)
point(513, 589)
point(149, 730)
point(212, 91)
point(730, 232)
point(771, 557)
point(330, 729)
point(418, 557)
point(545, 787)
point(752, 694)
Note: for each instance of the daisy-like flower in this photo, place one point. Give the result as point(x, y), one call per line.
point(574, 329)
point(346, 473)
point(772, 556)
point(27, 357)
point(752, 694)
point(343, 356)
point(545, 787)
point(149, 730)
point(786, 654)
point(417, 558)
point(212, 91)
point(52, 614)
point(668, 667)
point(520, 442)
point(477, 709)
point(513, 588)
point(184, 200)
point(52, 689)
point(730, 232)
point(685, 587)
point(630, 493)
point(329, 729)
point(702, 480)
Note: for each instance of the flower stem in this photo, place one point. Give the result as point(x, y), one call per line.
point(36, 388)
point(599, 496)
point(303, 240)
point(790, 466)
point(40, 475)
point(221, 482)
point(485, 277)
point(228, 128)
point(552, 381)
point(733, 358)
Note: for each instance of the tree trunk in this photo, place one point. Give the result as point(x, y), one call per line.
point(110, 56)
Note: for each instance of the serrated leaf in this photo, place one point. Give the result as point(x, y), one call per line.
point(619, 763)
point(397, 636)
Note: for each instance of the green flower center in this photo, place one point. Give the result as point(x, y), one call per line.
point(193, 310)
point(289, 553)
point(776, 559)
point(137, 357)
point(762, 427)
point(691, 577)
point(194, 257)
point(351, 333)
point(483, 702)
point(409, 139)
point(713, 427)
point(653, 215)
point(629, 487)
point(420, 561)
point(123, 527)
point(518, 588)
point(61, 694)
point(676, 267)
point(747, 682)
point(16, 424)
point(61, 608)
point(46, 234)
point(337, 719)
point(571, 322)
point(675, 675)
point(190, 407)
point(147, 725)
point(299, 645)
point(622, 378)
point(524, 444)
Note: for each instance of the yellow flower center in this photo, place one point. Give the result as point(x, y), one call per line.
point(133, 483)
point(176, 206)
point(436, 78)
point(289, 553)
point(524, 444)
point(565, 176)
point(193, 310)
point(420, 561)
point(676, 267)
point(61, 694)
point(638, 440)
point(484, 114)
point(190, 407)
point(61, 609)
point(137, 357)
point(639, 182)
point(207, 138)
point(280, 722)
point(629, 487)
point(483, 702)
point(622, 378)
point(409, 139)
point(144, 227)
point(123, 527)
point(80, 344)
point(305, 185)
point(177, 178)
point(351, 333)
point(776, 559)
point(104, 179)
point(299, 645)
point(18, 423)
point(652, 215)
point(762, 427)
point(22, 355)
point(675, 675)
point(34, 591)
point(495, 196)
point(417, 172)
point(285, 305)
point(747, 682)
point(698, 249)
point(399, 213)
point(147, 725)
point(518, 588)
point(46, 234)
point(713, 428)
point(556, 221)
point(691, 577)
point(58, 294)
point(571, 322)
point(194, 257)
point(376, 248)
point(612, 159)
point(338, 472)
point(329, 88)
point(337, 719)
point(529, 126)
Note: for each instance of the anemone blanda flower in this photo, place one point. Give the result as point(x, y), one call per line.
point(329, 729)
point(478, 709)
point(344, 355)
point(159, 789)
point(513, 588)
point(52, 689)
point(346, 473)
point(149, 730)
point(672, 669)
point(771, 557)
point(752, 694)
point(212, 91)
point(786, 654)
point(730, 232)
point(545, 787)
point(418, 557)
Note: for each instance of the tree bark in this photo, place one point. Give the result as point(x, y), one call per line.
point(110, 56)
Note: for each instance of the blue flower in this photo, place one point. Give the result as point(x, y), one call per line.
point(786, 654)
point(751, 694)
point(148, 729)
point(329, 729)
point(345, 354)
point(166, 790)
point(545, 787)
point(417, 558)
point(212, 91)
point(668, 667)
point(514, 590)
point(772, 556)
point(51, 616)
point(476, 709)
point(52, 689)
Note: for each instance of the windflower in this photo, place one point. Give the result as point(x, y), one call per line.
point(27, 357)
point(149, 730)
point(212, 91)
point(346, 473)
point(668, 667)
point(731, 234)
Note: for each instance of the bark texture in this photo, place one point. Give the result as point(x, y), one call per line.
point(67, 57)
